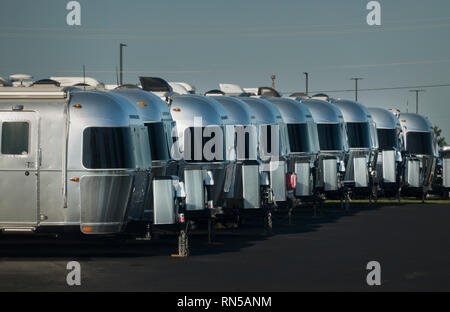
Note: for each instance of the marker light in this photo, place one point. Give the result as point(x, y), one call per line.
point(87, 229)
point(142, 103)
point(291, 181)
point(176, 109)
point(75, 179)
point(78, 106)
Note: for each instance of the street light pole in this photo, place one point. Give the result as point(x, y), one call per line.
point(356, 87)
point(417, 98)
point(306, 80)
point(121, 62)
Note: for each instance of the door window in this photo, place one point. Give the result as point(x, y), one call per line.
point(15, 138)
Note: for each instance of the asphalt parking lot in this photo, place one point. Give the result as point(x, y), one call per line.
point(324, 253)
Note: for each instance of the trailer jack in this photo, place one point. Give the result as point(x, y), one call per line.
point(268, 222)
point(183, 241)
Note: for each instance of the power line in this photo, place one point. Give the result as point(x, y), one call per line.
point(378, 89)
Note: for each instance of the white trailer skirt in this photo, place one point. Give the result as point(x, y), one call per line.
point(195, 190)
point(304, 185)
point(413, 172)
point(361, 172)
point(389, 171)
point(330, 175)
point(250, 186)
point(446, 172)
point(163, 202)
point(278, 179)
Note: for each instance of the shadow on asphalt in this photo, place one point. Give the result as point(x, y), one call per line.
point(32, 248)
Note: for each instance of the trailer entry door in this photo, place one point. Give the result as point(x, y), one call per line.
point(18, 169)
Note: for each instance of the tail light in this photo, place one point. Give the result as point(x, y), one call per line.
point(181, 218)
point(291, 181)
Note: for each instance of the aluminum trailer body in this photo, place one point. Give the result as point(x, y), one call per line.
point(363, 147)
point(68, 159)
point(204, 143)
point(273, 147)
point(245, 185)
point(303, 142)
point(163, 192)
point(390, 167)
point(333, 146)
point(420, 154)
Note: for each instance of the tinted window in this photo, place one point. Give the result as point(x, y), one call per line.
point(420, 143)
point(15, 138)
point(158, 141)
point(387, 139)
point(192, 143)
point(107, 148)
point(358, 134)
point(298, 138)
point(330, 138)
point(242, 150)
point(267, 141)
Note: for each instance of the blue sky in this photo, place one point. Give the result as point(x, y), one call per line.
point(243, 42)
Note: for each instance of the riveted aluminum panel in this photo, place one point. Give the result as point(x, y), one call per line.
point(330, 175)
point(250, 186)
point(446, 172)
point(278, 179)
point(361, 173)
point(195, 190)
point(389, 171)
point(413, 172)
point(304, 185)
point(163, 202)
point(104, 201)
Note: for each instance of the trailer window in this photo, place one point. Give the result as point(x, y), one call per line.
point(158, 141)
point(420, 143)
point(107, 148)
point(270, 136)
point(330, 137)
point(195, 141)
point(299, 138)
point(387, 138)
point(15, 137)
point(358, 134)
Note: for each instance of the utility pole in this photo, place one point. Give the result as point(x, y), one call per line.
point(417, 98)
point(356, 87)
point(306, 80)
point(121, 62)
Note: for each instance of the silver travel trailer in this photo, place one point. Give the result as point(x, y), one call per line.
point(420, 154)
point(333, 147)
point(441, 178)
point(272, 131)
point(68, 159)
point(249, 193)
point(363, 148)
point(163, 191)
point(304, 144)
point(201, 124)
point(389, 168)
